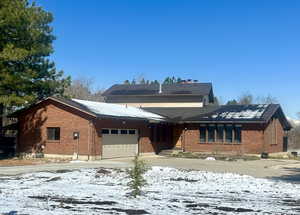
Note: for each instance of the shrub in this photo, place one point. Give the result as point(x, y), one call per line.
point(136, 176)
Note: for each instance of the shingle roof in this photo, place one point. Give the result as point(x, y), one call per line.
point(260, 113)
point(153, 89)
point(101, 109)
point(176, 114)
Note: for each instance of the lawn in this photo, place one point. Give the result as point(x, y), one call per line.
point(169, 191)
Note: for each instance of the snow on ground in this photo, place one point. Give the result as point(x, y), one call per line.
point(169, 191)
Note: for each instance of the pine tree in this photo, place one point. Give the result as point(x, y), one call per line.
point(126, 82)
point(26, 73)
point(142, 81)
point(136, 176)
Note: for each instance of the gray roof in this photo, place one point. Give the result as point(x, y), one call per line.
point(153, 89)
point(101, 109)
point(257, 113)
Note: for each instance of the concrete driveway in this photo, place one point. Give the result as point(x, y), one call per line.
point(272, 168)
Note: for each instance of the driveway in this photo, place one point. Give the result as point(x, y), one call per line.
point(272, 168)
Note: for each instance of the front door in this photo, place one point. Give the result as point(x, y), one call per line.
point(177, 137)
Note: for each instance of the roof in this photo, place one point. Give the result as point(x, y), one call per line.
point(116, 110)
point(166, 89)
point(101, 109)
point(256, 113)
point(177, 114)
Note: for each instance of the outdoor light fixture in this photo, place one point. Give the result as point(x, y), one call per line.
point(75, 135)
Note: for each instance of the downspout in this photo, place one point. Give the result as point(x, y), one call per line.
point(89, 140)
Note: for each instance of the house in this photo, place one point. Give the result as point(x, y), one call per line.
point(149, 118)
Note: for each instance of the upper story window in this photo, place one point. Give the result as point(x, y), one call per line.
point(53, 133)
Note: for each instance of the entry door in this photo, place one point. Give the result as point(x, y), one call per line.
point(118, 143)
point(177, 137)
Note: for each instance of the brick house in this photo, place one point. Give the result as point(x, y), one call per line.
point(146, 119)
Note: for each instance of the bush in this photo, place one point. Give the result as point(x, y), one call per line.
point(136, 176)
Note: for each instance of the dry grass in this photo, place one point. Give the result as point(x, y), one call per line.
point(25, 162)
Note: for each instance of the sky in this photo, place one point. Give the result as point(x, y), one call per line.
point(238, 46)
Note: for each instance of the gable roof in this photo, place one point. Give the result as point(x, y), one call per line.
point(256, 113)
point(153, 89)
point(177, 114)
point(101, 109)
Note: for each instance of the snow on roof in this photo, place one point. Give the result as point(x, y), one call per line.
point(248, 112)
point(102, 108)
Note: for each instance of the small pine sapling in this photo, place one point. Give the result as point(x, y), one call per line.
point(136, 176)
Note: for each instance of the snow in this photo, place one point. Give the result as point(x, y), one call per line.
point(210, 159)
point(169, 191)
point(108, 109)
point(244, 114)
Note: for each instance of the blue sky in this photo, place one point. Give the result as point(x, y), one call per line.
point(239, 46)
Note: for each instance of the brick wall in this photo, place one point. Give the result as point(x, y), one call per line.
point(273, 135)
point(34, 122)
point(252, 141)
point(33, 127)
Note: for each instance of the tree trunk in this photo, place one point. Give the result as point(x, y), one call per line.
point(1, 120)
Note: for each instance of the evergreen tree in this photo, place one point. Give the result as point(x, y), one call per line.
point(26, 73)
point(142, 81)
point(126, 82)
point(232, 102)
point(136, 177)
point(167, 80)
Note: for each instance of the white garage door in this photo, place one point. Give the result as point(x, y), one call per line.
point(119, 143)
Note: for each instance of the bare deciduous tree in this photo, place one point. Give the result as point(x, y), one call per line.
point(245, 99)
point(82, 89)
point(266, 100)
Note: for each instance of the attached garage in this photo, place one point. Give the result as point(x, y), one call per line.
point(118, 143)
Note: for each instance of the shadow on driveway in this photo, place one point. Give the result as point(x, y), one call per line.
point(292, 176)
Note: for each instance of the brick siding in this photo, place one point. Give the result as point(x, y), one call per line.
point(33, 125)
point(254, 140)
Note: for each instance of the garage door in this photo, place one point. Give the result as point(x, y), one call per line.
point(119, 143)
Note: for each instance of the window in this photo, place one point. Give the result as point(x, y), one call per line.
point(105, 131)
point(220, 133)
point(228, 134)
point(124, 131)
point(114, 131)
point(238, 134)
point(202, 134)
point(131, 131)
point(211, 134)
point(53, 133)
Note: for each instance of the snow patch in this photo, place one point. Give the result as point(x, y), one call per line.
point(169, 191)
point(244, 114)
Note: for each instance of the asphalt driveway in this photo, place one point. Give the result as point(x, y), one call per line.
point(271, 168)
